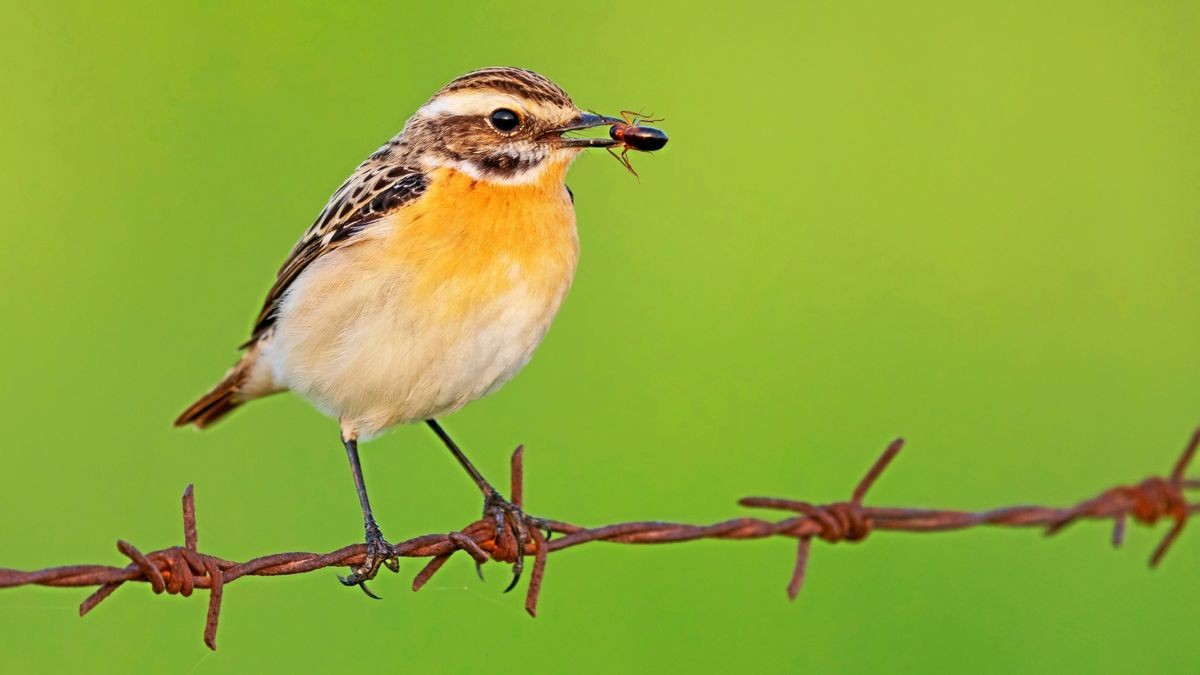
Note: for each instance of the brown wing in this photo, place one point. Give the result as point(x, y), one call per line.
point(374, 190)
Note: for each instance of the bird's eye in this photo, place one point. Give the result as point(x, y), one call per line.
point(505, 120)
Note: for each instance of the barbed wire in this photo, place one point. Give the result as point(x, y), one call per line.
point(182, 569)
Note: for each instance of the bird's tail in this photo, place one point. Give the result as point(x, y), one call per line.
point(219, 402)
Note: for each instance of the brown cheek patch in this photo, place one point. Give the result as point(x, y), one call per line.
point(469, 138)
point(505, 165)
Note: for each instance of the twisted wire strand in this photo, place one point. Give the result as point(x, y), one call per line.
point(179, 570)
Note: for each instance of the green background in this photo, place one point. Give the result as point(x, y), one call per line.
point(973, 227)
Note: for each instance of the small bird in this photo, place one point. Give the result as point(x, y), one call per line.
point(429, 278)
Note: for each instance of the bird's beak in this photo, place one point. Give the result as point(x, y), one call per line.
point(585, 120)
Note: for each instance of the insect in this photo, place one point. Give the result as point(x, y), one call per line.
point(632, 135)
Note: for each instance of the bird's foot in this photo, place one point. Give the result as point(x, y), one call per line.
point(379, 553)
point(509, 520)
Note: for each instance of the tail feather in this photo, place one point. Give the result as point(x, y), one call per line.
point(216, 404)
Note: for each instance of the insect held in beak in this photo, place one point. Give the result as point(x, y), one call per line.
point(633, 135)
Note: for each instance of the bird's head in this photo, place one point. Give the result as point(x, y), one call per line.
point(502, 125)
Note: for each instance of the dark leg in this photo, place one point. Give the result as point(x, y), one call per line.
point(484, 486)
point(495, 505)
point(379, 552)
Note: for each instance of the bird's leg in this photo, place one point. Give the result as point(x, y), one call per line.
point(495, 506)
point(379, 552)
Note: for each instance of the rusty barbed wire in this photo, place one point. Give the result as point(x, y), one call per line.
point(182, 569)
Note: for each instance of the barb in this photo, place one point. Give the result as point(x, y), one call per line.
point(182, 569)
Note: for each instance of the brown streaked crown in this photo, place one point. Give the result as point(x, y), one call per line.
point(517, 81)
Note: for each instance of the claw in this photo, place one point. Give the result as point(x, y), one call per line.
point(349, 581)
point(522, 536)
point(516, 577)
point(379, 553)
point(506, 515)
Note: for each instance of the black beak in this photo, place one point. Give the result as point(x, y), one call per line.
point(586, 120)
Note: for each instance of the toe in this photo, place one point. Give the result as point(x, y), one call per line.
point(367, 591)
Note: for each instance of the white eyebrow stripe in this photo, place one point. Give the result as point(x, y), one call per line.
point(470, 103)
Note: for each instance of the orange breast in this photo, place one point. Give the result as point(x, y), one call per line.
point(467, 242)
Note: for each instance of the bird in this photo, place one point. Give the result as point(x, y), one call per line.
point(428, 279)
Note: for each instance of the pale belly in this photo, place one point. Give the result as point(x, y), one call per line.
point(374, 349)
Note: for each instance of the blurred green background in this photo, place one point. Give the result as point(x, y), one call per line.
point(972, 226)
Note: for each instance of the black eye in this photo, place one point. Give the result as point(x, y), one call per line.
point(505, 119)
